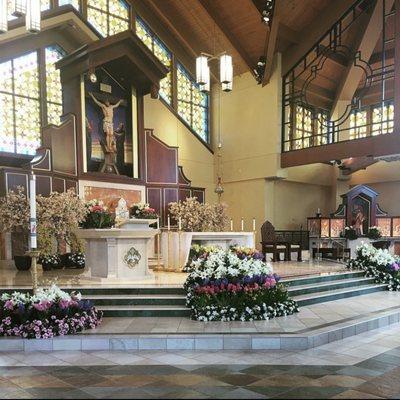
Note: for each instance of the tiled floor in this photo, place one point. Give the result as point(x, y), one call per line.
point(312, 316)
point(10, 277)
point(366, 366)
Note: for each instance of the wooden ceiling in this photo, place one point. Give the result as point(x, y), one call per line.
point(235, 26)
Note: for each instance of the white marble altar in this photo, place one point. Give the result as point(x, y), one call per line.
point(176, 245)
point(117, 253)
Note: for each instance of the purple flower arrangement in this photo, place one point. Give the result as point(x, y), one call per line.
point(50, 313)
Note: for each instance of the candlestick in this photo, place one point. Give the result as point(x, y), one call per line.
point(158, 222)
point(231, 225)
point(169, 223)
point(32, 203)
point(242, 224)
point(319, 211)
point(254, 224)
point(180, 224)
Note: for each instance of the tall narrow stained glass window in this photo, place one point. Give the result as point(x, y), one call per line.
point(358, 124)
point(158, 48)
point(303, 127)
point(192, 103)
point(53, 85)
point(108, 16)
point(382, 119)
point(20, 105)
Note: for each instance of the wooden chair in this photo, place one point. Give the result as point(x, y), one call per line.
point(270, 244)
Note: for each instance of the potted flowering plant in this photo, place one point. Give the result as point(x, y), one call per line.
point(97, 217)
point(14, 218)
point(50, 261)
point(374, 233)
point(143, 211)
point(349, 233)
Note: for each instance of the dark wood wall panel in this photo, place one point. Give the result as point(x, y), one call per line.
point(58, 185)
point(155, 199)
point(184, 194)
point(199, 193)
point(15, 179)
point(43, 185)
point(161, 161)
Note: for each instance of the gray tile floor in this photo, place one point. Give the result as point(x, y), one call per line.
point(365, 366)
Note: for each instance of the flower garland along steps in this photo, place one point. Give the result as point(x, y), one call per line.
point(51, 312)
point(378, 264)
point(234, 285)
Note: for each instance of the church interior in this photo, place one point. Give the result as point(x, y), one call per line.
point(201, 193)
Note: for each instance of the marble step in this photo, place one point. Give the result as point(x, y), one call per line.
point(116, 300)
point(321, 297)
point(318, 278)
point(145, 311)
point(329, 286)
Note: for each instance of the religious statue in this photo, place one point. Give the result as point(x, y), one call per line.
point(121, 211)
point(108, 121)
point(358, 221)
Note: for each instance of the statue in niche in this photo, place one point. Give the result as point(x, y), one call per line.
point(108, 121)
point(359, 219)
point(121, 211)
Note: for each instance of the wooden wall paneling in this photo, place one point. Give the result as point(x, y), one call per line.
point(199, 193)
point(170, 195)
point(71, 184)
point(43, 185)
point(183, 179)
point(15, 179)
point(155, 199)
point(184, 194)
point(161, 161)
point(59, 185)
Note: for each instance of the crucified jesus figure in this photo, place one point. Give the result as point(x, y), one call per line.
point(108, 121)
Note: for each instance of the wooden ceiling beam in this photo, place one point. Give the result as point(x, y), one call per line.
point(289, 34)
point(369, 30)
point(271, 42)
point(213, 14)
point(170, 32)
point(312, 33)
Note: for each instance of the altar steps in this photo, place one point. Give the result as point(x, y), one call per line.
point(137, 300)
point(145, 311)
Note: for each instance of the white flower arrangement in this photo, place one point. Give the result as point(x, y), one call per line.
point(221, 263)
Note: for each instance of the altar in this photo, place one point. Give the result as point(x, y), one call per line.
point(119, 253)
point(176, 245)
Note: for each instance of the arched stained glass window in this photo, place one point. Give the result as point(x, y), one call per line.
point(158, 48)
point(108, 16)
point(192, 103)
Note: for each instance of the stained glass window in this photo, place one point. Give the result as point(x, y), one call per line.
point(108, 16)
point(161, 52)
point(20, 105)
point(22, 110)
point(53, 85)
point(382, 119)
point(358, 124)
point(192, 103)
point(74, 3)
point(303, 127)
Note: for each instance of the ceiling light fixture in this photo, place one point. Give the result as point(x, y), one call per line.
point(32, 16)
point(203, 71)
point(18, 8)
point(268, 12)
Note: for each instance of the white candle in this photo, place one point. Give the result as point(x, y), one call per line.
point(180, 224)
point(242, 224)
point(319, 211)
point(169, 223)
point(158, 222)
point(254, 224)
point(231, 225)
point(32, 203)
